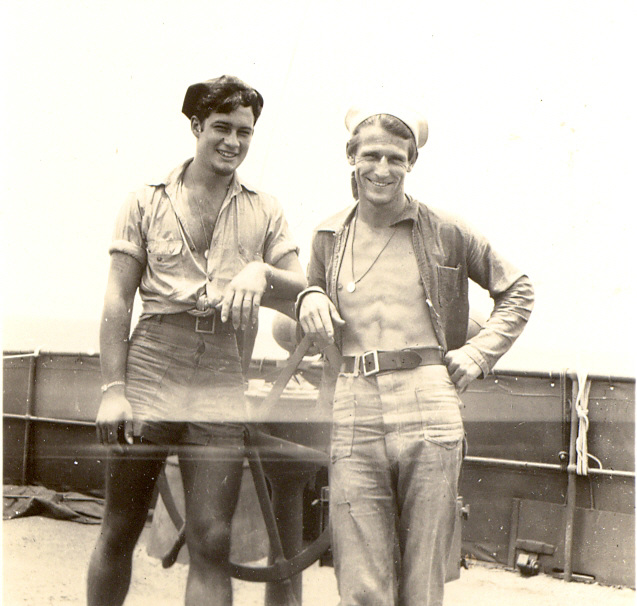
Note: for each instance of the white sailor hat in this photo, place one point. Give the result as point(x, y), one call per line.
point(412, 119)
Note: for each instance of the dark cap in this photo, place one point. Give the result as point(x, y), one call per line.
point(223, 94)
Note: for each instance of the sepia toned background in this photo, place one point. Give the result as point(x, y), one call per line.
point(531, 130)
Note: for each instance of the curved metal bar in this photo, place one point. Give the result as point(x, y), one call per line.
point(276, 451)
point(258, 476)
point(169, 500)
point(284, 569)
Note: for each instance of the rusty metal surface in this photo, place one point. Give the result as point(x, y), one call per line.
point(527, 419)
point(605, 541)
point(515, 417)
point(521, 417)
point(60, 455)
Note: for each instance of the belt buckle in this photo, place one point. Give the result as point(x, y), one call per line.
point(206, 324)
point(370, 363)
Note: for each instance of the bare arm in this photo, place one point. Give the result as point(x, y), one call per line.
point(115, 413)
point(259, 281)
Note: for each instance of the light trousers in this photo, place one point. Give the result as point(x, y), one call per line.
point(395, 461)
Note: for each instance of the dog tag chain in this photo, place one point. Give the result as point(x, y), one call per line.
point(351, 286)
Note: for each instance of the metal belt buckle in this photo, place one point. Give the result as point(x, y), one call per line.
point(370, 363)
point(206, 324)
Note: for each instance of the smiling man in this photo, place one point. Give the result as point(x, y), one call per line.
point(204, 250)
point(388, 282)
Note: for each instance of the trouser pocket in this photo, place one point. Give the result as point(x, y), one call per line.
point(440, 415)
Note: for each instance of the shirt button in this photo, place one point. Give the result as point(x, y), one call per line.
point(205, 254)
point(339, 287)
point(160, 259)
point(210, 277)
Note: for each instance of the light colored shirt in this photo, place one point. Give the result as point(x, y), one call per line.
point(151, 227)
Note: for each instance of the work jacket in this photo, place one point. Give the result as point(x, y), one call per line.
point(449, 253)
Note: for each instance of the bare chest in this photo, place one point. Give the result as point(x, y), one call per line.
point(201, 214)
point(380, 292)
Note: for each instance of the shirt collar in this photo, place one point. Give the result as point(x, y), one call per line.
point(343, 218)
point(410, 211)
point(175, 177)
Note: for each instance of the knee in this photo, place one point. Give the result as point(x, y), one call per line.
point(210, 542)
point(120, 532)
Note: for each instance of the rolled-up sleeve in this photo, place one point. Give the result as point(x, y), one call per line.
point(278, 242)
point(128, 234)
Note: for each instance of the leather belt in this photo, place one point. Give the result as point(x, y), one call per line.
point(375, 361)
point(208, 325)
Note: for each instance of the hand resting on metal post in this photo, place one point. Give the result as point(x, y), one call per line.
point(319, 317)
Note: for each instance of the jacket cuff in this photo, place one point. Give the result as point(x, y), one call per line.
point(477, 357)
point(299, 298)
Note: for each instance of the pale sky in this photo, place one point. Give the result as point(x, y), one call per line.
point(531, 118)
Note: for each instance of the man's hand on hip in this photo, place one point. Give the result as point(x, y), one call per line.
point(462, 369)
point(114, 419)
point(318, 316)
point(242, 298)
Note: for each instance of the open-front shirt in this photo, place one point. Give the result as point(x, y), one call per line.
point(449, 253)
point(151, 227)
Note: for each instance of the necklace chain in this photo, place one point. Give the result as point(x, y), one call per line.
point(351, 287)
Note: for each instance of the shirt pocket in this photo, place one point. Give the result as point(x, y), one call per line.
point(440, 415)
point(164, 255)
point(449, 285)
point(250, 235)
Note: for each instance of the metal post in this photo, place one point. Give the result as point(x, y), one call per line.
point(513, 532)
point(571, 490)
point(29, 405)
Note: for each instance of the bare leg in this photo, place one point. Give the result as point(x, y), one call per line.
point(130, 480)
point(212, 478)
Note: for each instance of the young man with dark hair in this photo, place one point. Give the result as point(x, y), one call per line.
point(388, 282)
point(204, 250)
